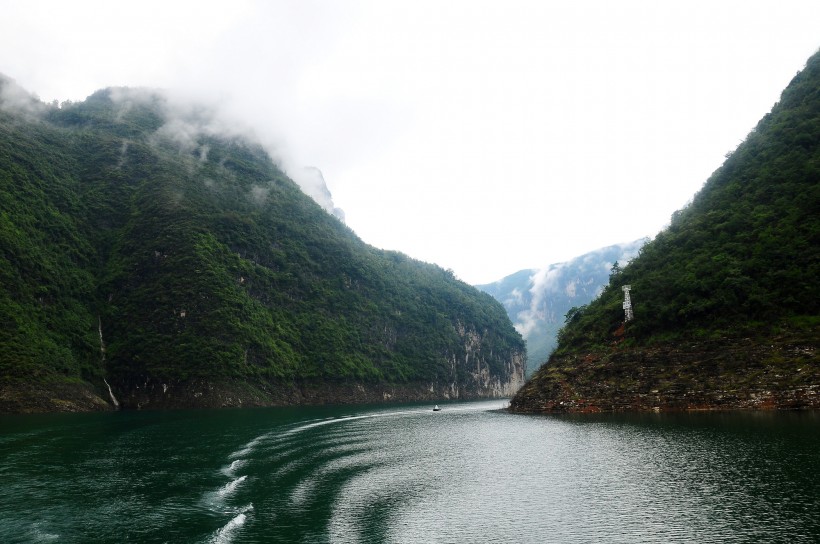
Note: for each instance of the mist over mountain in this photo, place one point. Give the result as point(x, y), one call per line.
point(154, 254)
point(312, 182)
point(537, 300)
point(726, 301)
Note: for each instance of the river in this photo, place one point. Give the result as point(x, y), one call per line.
point(470, 473)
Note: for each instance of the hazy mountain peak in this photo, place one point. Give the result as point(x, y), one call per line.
point(16, 99)
point(537, 299)
point(312, 183)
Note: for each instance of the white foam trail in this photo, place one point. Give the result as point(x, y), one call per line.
point(231, 469)
point(41, 536)
point(225, 534)
point(348, 418)
point(240, 453)
point(228, 489)
point(247, 448)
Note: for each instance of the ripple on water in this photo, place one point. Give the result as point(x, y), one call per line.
point(463, 474)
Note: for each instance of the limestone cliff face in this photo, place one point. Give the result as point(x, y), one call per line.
point(478, 371)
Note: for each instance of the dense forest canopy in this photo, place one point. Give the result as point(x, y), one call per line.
point(744, 256)
point(139, 242)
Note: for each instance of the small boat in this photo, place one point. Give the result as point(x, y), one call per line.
point(436, 408)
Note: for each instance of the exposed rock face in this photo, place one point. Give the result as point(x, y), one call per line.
point(475, 372)
point(470, 377)
point(719, 375)
point(479, 372)
point(201, 394)
point(54, 397)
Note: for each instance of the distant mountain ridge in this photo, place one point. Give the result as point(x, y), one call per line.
point(537, 300)
point(726, 300)
point(152, 255)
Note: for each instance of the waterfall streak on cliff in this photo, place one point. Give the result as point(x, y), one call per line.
point(111, 394)
point(102, 359)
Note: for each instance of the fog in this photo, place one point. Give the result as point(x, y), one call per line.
point(487, 137)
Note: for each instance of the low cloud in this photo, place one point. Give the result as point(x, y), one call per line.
point(188, 119)
point(259, 194)
point(543, 282)
point(14, 98)
point(312, 183)
point(123, 153)
point(580, 279)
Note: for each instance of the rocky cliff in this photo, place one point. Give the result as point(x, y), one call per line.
point(722, 374)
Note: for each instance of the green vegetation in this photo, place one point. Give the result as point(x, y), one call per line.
point(743, 258)
point(726, 300)
point(196, 258)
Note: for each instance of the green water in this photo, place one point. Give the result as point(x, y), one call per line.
point(469, 473)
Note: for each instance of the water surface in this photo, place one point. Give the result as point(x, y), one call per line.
point(469, 473)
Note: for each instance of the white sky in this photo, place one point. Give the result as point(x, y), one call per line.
point(485, 136)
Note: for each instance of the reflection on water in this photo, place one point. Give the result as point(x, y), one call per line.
point(469, 473)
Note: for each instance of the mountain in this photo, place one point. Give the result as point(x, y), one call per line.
point(537, 300)
point(152, 255)
point(726, 300)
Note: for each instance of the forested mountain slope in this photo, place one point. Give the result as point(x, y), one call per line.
point(145, 247)
point(726, 299)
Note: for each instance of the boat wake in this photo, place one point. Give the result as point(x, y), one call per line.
point(226, 533)
point(250, 446)
point(345, 419)
point(39, 535)
point(231, 469)
point(230, 488)
point(283, 457)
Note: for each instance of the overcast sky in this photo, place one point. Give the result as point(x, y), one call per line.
point(484, 136)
